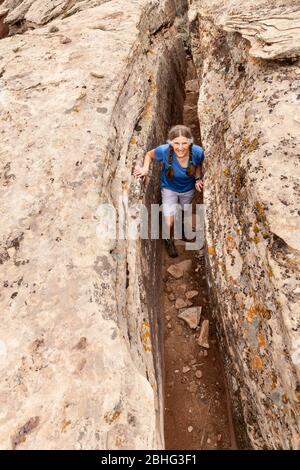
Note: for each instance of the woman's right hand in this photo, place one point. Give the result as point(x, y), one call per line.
point(140, 171)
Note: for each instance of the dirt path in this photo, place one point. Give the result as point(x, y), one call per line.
point(197, 414)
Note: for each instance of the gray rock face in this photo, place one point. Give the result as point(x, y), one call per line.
point(250, 125)
point(79, 367)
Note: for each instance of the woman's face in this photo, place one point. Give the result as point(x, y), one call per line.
point(181, 146)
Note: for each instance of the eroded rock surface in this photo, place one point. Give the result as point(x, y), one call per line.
point(76, 353)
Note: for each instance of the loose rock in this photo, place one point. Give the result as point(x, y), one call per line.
point(191, 294)
point(65, 40)
point(175, 271)
point(191, 316)
point(203, 337)
point(53, 29)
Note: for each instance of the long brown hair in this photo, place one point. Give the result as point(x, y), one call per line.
point(180, 131)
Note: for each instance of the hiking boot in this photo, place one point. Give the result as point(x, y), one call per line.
point(171, 249)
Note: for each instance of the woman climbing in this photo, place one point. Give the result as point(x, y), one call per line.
point(180, 175)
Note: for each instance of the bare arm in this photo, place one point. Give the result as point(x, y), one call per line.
point(143, 170)
point(199, 178)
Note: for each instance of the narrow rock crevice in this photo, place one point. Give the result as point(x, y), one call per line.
point(197, 403)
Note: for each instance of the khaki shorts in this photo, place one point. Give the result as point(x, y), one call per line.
point(171, 200)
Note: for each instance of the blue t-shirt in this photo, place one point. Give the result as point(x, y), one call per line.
point(181, 181)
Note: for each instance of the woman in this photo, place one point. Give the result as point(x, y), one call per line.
point(180, 175)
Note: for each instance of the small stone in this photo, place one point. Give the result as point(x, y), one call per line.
point(205, 353)
point(191, 294)
point(208, 441)
point(190, 428)
point(191, 316)
point(176, 371)
point(203, 337)
point(97, 74)
point(185, 265)
point(65, 40)
point(199, 374)
point(168, 317)
point(193, 361)
point(185, 369)
point(53, 29)
point(219, 437)
point(171, 296)
point(193, 387)
point(168, 288)
point(180, 303)
point(169, 325)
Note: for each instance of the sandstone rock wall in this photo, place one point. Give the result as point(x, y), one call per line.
point(78, 106)
point(250, 124)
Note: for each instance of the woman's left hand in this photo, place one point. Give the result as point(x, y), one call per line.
point(199, 185)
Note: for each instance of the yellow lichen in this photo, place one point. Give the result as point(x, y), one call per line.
point(133, 140)
point(111, 417)
point(261, 341)
point(226, 172)
point(251, 145)
point(265, 313)
point(261, 216)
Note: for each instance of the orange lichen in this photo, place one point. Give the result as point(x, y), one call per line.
point(230, 241)
point(274, 381)
point(257, 362)
point(261, 341)
point(226, 172)
point(111, 417)
point(146, 336)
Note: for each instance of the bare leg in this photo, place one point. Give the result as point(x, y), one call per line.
point(169, 236)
